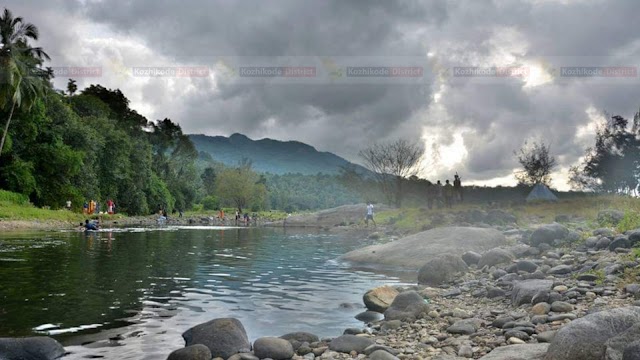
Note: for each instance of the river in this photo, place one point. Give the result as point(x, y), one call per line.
point(130, 293)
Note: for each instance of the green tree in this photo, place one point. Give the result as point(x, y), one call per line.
point(209, 180)
point(240, 187)
point(537, 164)
point(22, 80)
point(72, 87)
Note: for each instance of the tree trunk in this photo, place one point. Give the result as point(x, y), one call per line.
point(6, 127)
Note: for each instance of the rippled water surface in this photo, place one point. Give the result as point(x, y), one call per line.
point(130, 293)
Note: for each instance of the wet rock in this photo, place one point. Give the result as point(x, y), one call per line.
point(369, 316)
point(193, 352)
point(408, 305)
point(441, 269)
point(301, 336)
point(272, 348)
point(494, 257)
point(379, 299)
point(348, 343)
point(30, 348)
point(523, 291)
point(224, 337)
point(494, 292)
point(500, 321)
point(585, 338)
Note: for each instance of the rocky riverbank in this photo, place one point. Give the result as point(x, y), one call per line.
point(556, 291)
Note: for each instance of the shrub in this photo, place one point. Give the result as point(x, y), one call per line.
point(630, 221)
point(210, 203)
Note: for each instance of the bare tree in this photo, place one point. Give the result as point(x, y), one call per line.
point(537, 163)
point(392, 163)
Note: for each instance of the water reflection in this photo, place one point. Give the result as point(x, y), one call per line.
point(136, 291)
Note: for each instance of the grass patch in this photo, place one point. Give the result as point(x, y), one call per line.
point(630, 221)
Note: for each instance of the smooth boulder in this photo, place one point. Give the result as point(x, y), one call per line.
point(349, 343)
point(441, 269)
point(224, 337)
point(193, 352)
point(408, 305)
point(586, 338)
point(518, 352)
point(379, 299)
point(494, 257)
point(272, 348)
point(524, 291)
point(30, 348)
point(546, 234)
point(413, 251)
point(301, 336)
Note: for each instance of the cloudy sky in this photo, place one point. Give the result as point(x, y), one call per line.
point(472, 79)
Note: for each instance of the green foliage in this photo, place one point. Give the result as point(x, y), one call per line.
point(297, 192)
point(210, 203)
point(9, 197)
point(630, 221)
point(240, 188)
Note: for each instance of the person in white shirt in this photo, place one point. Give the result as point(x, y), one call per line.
point(369, 215)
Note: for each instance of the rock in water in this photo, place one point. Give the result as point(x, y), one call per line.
point(272, 348)
point(406, 306)
point(224, 337)
point(518, 352)
point(547, 233)
point(495, 257)
point(413, 251)
point(193, 352)
point(441, 269)
point(586, 338)
point(30, 348)
point(349, 343)
point(524, 291)
point(379, 299)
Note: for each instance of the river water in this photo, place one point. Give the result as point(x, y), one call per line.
point(130, 293)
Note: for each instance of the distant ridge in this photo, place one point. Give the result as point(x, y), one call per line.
point(273, 156)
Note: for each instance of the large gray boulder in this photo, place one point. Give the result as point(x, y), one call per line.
point(30, 348)
point(379, 299)
point(273, 348)
point(193, 352)
point(408, 305)
point(524, 291)
point(518, 352)
point(494, 257)
point(413, 251)
point(546, 234)
point(586, 338)
point(441, 269)
point(349, 343)
point(224, 337)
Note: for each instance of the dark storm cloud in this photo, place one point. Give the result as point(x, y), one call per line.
point(343, 115)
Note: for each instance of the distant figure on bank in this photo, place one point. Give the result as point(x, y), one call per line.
point(439, 194)
point(85, 208)
point(68, 205)
point(221, 214)
point(369, 215)
point(92, 206)
point(448, 194)
point(247, 219)
point(457, 188)
point(109, 206)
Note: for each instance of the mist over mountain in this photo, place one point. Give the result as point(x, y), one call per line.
point(272, 156)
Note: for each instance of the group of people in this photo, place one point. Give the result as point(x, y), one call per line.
point(445, 195)
point(93, 207)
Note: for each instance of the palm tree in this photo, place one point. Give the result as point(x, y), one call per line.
point(22, 80)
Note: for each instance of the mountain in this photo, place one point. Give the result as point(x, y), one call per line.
point(273, 156)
